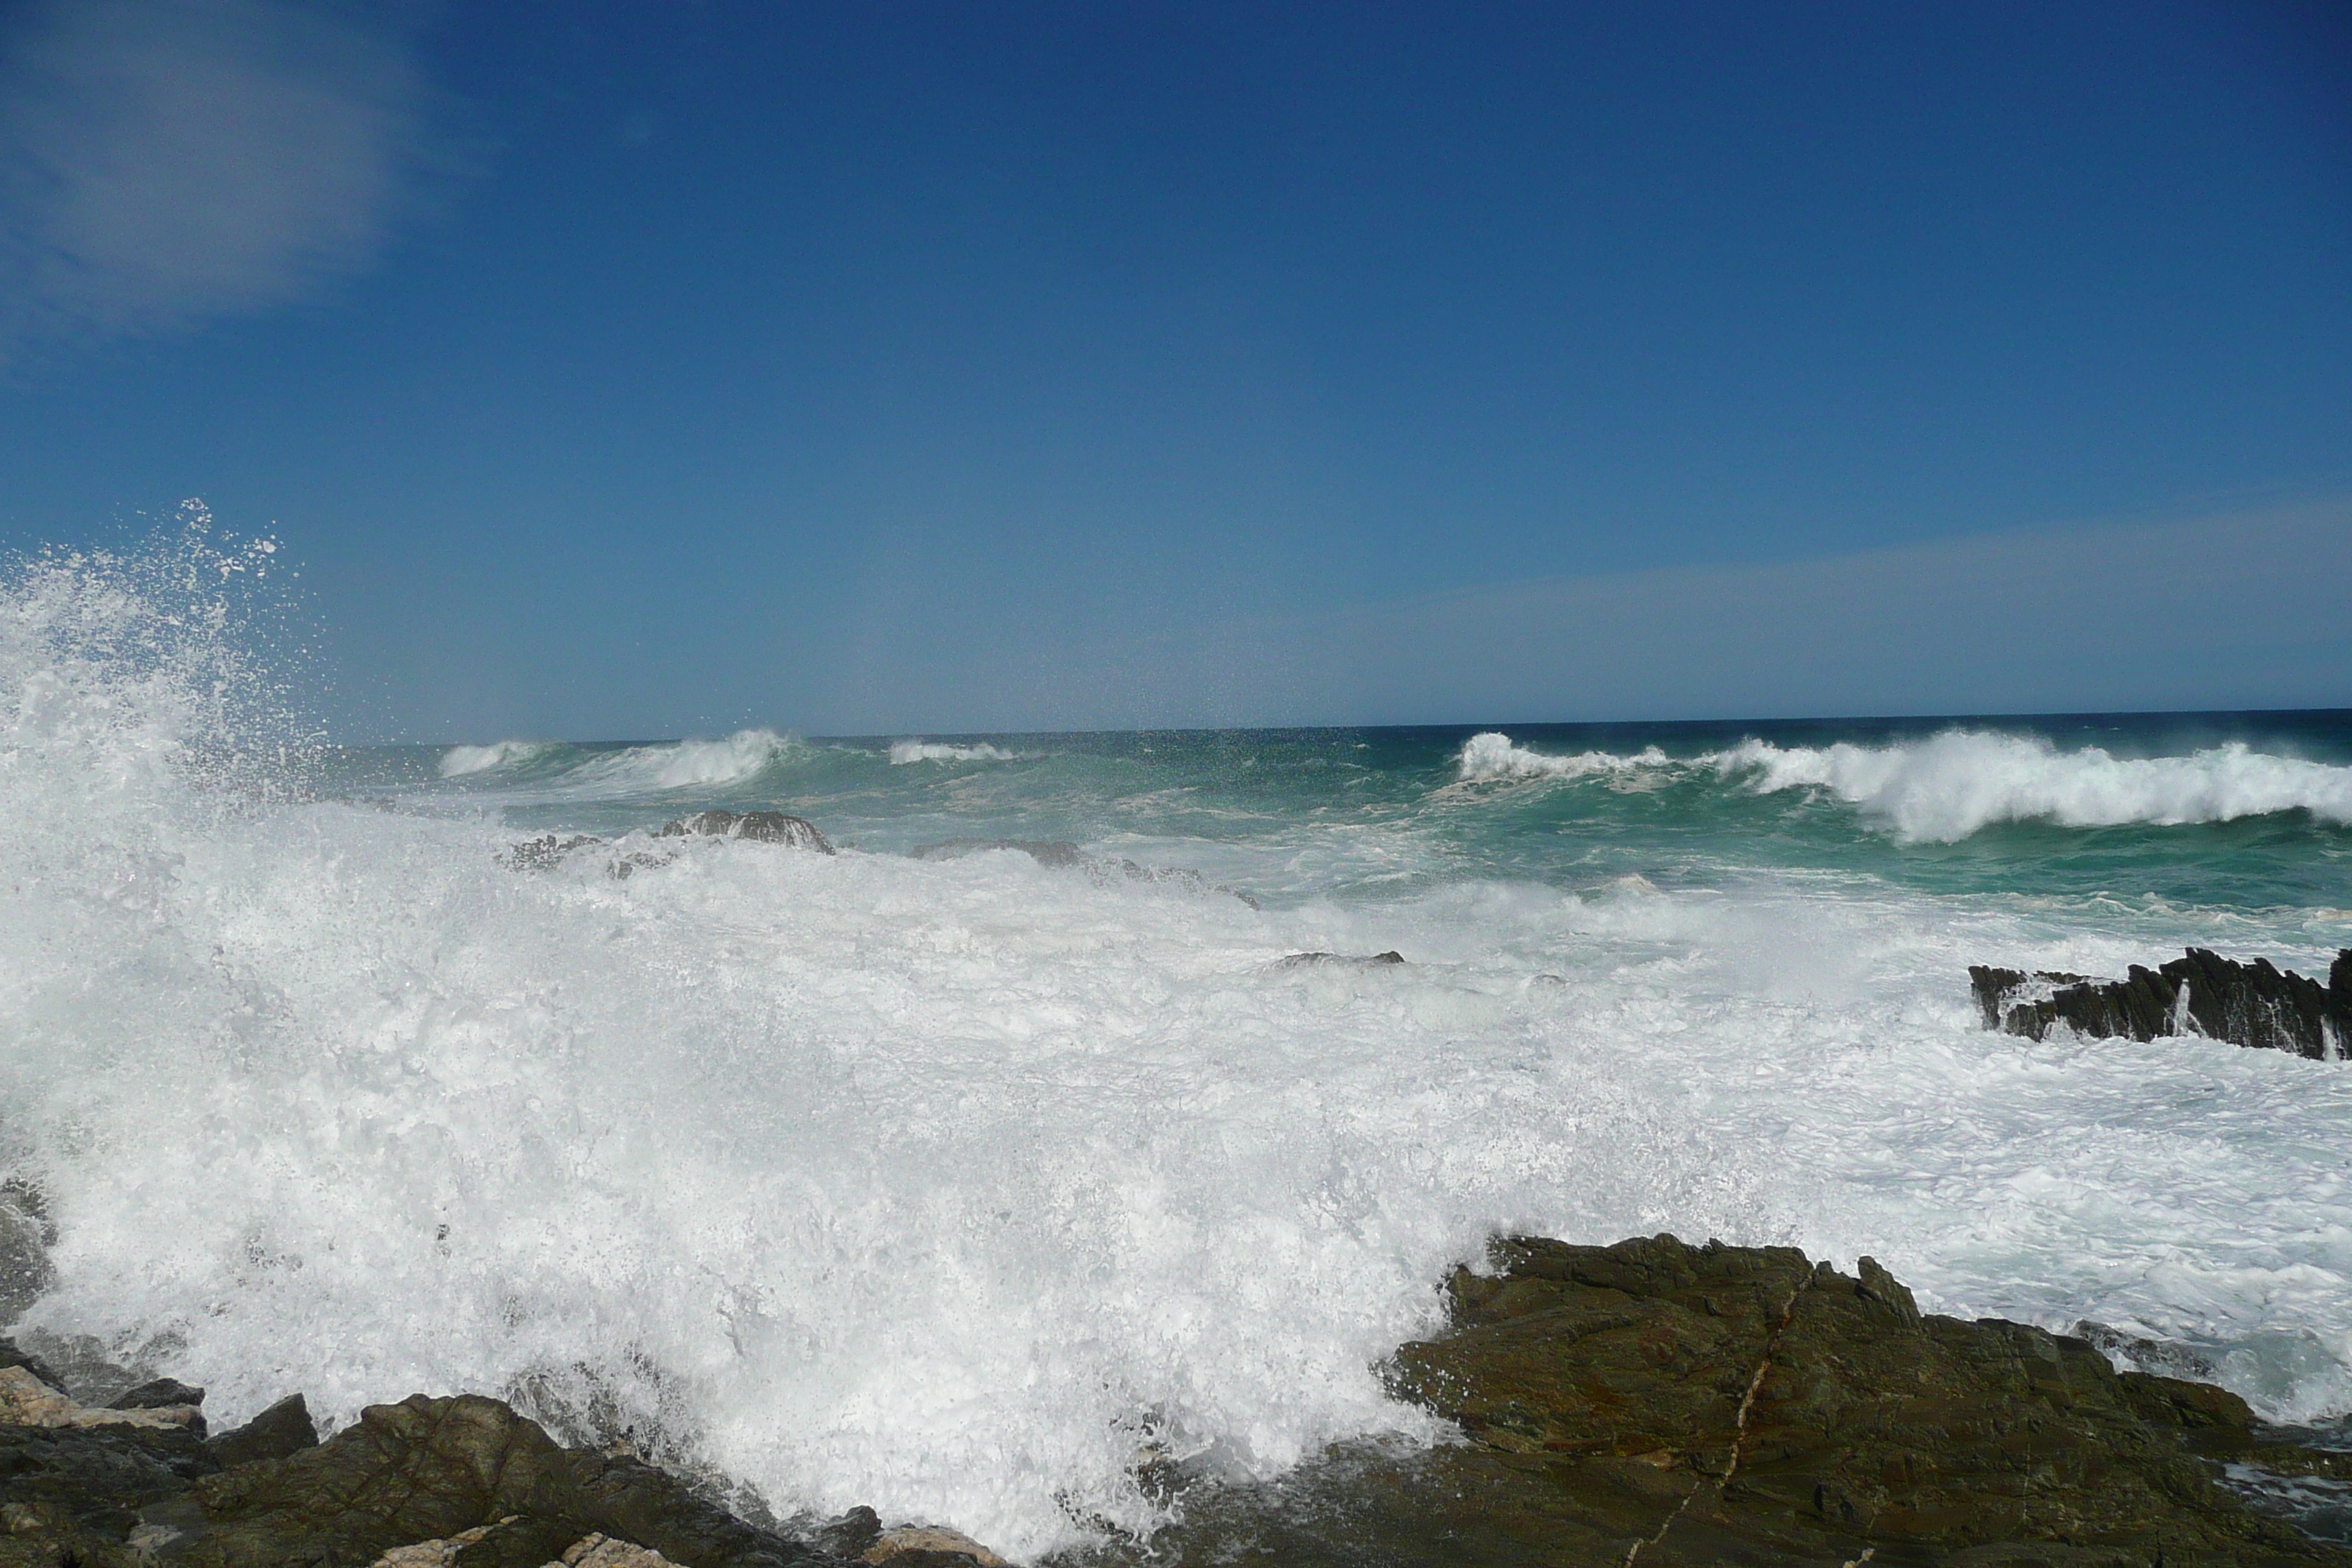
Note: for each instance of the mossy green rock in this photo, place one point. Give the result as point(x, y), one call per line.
point(1651, 1403)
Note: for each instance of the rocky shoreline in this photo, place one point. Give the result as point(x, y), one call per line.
point(1649, 1403)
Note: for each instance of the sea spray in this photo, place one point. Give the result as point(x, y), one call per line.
point(951, 1185)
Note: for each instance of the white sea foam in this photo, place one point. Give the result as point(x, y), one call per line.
point(1492, 755)
point(458, 761)
point(1948, 786)
point(941, 1185)
point(905, 751)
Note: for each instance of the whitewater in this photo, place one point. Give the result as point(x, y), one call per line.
point(953, 1184)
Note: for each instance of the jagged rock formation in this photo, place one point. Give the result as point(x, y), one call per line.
point(2251, 1004)
point(760, 826)
point(1314, 960)
point(1653, 1404)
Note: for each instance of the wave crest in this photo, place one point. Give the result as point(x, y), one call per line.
point(461, 761)
point(689, 764)
point(1948, 787)
point(905, 751)
point(1492, 755)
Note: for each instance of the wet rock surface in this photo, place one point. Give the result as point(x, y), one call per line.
point(1657, 1403)
point(279, 1432)
point(2251, 1004)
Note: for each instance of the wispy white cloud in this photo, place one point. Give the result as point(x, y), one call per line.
point(164, 161)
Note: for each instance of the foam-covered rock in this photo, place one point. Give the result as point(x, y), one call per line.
point(759, 827)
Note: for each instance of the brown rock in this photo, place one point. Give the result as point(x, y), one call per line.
point(1655, 1403)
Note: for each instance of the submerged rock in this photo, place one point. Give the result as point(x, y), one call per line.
point(1100, 869)
point(1044, 851)
point(760, 826)
point(2254, 1004)
point(1313, 960)
point(546, 851)
point(1655, 1403)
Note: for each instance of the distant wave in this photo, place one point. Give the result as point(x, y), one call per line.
point(904, 752)
point(461, 761)
point(1493, 756)
point(1950, 786)
point(686, 764)
point(1947, 787)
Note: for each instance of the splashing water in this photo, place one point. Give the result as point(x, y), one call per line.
point(946, 1185)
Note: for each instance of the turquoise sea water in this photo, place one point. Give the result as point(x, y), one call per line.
point(2137, 807)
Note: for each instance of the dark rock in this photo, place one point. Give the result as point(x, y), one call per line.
point(2200, 993)
point(161, 1394)
point(851, 1534)
point(540, 854)
point(762, 826)
point(428, 1470)
point(1655, 1403)
point(86, 1489)
point(1044, 851)
point(1310, 960)
point(283, 1429)
point(12, 1356)
point(156, 1395)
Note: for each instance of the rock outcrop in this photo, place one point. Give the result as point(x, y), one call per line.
point(109, 1487)
point(759, 827)
point(1317, 960)
point(2254, 1004)
point(1654, 1403)
point(1641, 1406)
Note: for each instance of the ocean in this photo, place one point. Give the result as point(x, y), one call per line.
point(949, 1173)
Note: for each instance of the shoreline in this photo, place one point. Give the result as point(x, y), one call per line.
point(1645, 1401)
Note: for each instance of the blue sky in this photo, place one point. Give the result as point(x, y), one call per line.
point(652, 368)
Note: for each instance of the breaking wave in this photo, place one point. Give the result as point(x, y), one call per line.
point(1492, 755)
point(684, 764)
point(460, 761)
point(904, 752)
point(1949, 787)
